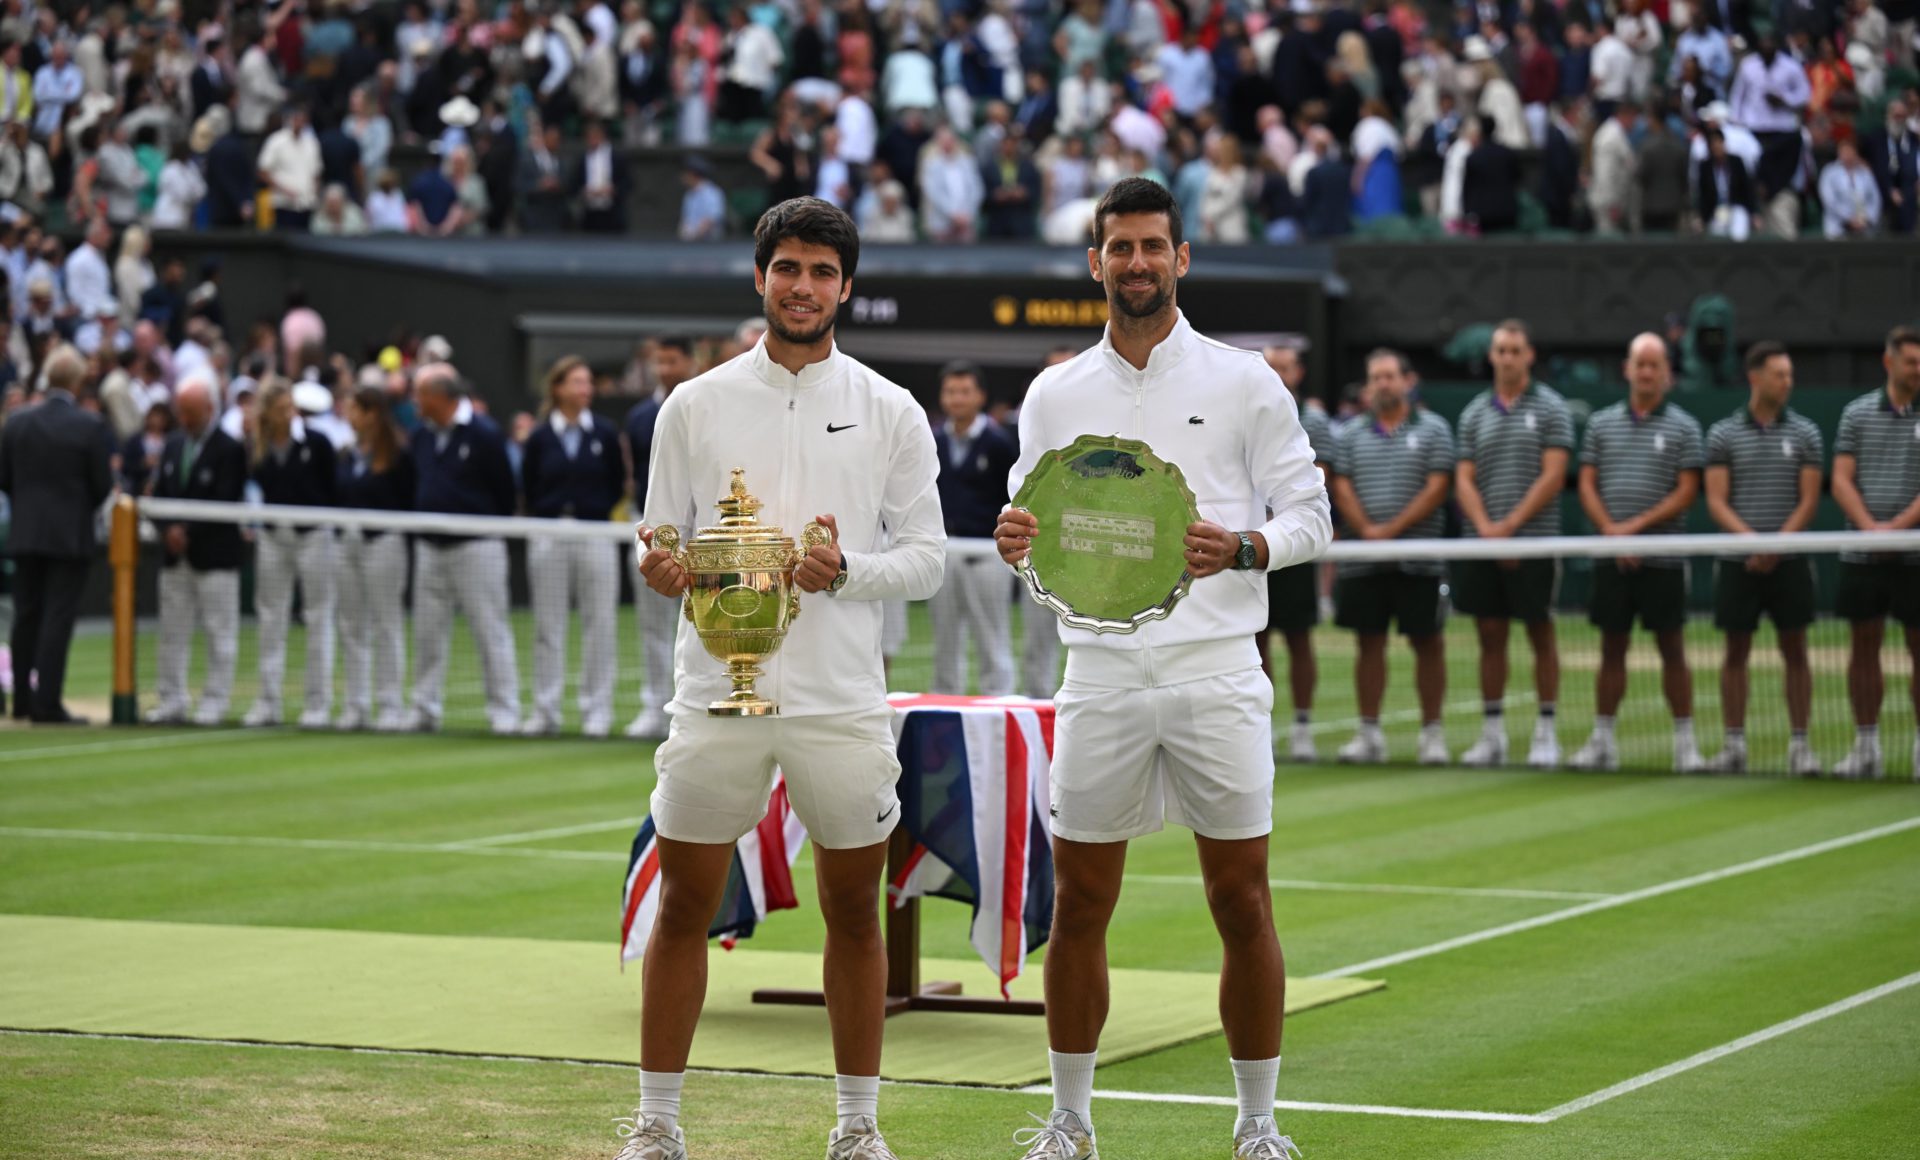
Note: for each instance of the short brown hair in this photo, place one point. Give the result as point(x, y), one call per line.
point(1760, 353)
point(1517, 326)
point(811, 221)
point(1400, 360)
point(1136, 195)
point(1901, 336)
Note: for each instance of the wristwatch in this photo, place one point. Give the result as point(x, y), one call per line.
point(840, 580)
point(1246, 557)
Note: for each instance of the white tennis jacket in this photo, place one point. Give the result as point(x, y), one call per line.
point(835, 439)
point(1229, 424)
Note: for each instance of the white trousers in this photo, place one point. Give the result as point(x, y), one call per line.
point(373, 647)
point(208, 601)
point(471, 576)
point(659, 620)
point(973, 601)
point(1040, 651)
point(585, 572)
point(282, 558)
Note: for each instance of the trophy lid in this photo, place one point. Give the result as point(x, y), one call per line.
point(739, 510)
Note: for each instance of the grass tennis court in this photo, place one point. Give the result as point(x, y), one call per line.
point(1552, 945)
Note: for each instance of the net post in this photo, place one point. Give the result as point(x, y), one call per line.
point(123, 553)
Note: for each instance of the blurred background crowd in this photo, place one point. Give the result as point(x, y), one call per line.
point(950, 120)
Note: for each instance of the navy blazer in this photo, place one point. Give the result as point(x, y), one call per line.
point(55, 461)
point(219, 473)
point(974, 491)
point(585, 487)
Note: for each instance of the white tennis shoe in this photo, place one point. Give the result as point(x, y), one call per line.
point(1061, 1137)
point(1599, 753)
point(649, 1138)
point(860, 1142)
point(1260, 1139)
point(1486, 753)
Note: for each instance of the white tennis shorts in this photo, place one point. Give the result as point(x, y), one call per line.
point(1198, 753)
point(716, 774)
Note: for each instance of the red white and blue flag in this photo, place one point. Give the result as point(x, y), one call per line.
point(977, 807)
point(760, 882)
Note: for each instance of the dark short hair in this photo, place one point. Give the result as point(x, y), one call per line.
point(958, 367)
point(1901, 336)
point(679, 342)
point(1517, 326)
point(1760, 352)
point(1400, 360)
point(812, 221)
point(1136, 195)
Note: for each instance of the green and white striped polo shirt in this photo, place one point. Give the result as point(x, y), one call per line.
point(1319, 432)
point(1884, 441)
point(1763, 462)
point(1389, 468)
point(1639, 459)
point(1505, 445)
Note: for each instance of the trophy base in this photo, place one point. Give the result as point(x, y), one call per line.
point(753, 708)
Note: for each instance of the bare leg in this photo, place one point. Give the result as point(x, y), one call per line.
point(1303, 672)
point(1086, 887)
point(1430, 673)
point(1676, 679)
point(1253, 977)
point(1370, 674)
point(1493, 658)
point(855, 968)
point(1546, 662)
point(1866, 685)
point(673, 976)
point(1913, 685)
point(1733, 677)
point(1611, 686)
point(1793, 652)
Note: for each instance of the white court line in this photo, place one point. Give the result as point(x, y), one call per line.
point(1387, 888)
point(537, 835)
point(1402, 716)
point(476, 848)
point(205, 736)
point(1035, 1090)
point(306, 844)
point(1641, 895)
point(1650, 1078)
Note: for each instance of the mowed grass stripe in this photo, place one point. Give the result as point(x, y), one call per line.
point(1534, 1021)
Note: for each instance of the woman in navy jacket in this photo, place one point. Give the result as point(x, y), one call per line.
point(294, 466)
point(572, 470)
point(375, 474)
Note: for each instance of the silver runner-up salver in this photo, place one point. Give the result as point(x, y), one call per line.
point(1110, 554)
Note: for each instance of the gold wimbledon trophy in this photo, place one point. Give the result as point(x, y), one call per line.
point(743, 598)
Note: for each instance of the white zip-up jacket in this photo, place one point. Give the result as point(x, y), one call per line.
point(1221, 416)
point(835, 439)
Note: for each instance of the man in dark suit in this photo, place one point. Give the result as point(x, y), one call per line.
point(1012, 187)
point(230, 180)
point(200, 577)
point(1894, 156)
point(1326, 199)
point(1722, 183)
point(542, 184)
point(1490, 190)
point(54, 465)
point(600, 181)
point(210, 84)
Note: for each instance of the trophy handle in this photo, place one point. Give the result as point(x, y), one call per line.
point(812, 536)
point(666, 538)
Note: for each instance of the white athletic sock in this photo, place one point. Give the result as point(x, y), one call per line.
point(1073, 1083)
point(660, 1095)
point(1603, 727)
point(1683, 731)
point(1868, 735)
point(1736, 739)
point(859, 1095)
point(1494, 714)
point(1254, 1082)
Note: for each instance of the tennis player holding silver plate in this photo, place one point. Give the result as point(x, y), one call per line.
point(1170, 721)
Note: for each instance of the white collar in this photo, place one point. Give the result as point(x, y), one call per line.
point(559, 422)
point(297, 430)
point(1164, 354)
point(811, 375)
point(462, 415)
point(974, 428)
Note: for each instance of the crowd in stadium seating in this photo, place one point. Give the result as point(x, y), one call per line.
point(954, 119)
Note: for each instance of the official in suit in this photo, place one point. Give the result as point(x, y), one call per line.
point(671, 364)
point(54, 463)
point(1893, 153)
point(1724, 191)
point(573, 470)
point(460, 468)
point(200, 576)
point(541, 180)
point(975, 456)
point(377, 474)
point(600, 182)
point(293, 465)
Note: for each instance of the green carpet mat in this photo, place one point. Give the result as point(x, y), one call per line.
point(503, 996)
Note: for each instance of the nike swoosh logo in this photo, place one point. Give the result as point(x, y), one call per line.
point(831, 429)
point(888, 814)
